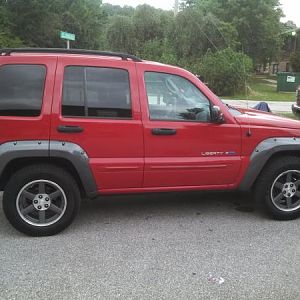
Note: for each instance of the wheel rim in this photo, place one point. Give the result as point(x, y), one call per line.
point(41, 203)
point(285, 194)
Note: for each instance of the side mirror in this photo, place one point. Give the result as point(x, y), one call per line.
point(217, 115)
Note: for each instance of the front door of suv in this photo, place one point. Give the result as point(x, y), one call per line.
point(99, 96)
point(183, 147)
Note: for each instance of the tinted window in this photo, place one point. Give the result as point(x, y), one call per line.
point(96, 92)
point(172, 97)
point(21, 90)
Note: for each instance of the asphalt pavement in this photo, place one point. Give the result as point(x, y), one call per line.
point(159, 246)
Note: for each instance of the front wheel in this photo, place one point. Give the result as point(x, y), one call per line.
point(278, 188)
point(41, 200)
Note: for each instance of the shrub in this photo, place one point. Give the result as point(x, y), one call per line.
point(226, 71)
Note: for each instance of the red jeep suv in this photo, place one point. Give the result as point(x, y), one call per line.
point(79, 123)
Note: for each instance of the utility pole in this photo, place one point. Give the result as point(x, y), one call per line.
point(176, 7)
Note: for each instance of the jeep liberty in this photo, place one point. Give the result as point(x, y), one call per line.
point(80, 123)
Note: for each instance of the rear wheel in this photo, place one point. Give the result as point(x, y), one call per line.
point(278, 188)
point(41, 200)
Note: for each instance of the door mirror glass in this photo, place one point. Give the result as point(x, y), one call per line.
point(216, 115)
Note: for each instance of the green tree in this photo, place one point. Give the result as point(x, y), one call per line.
point(33, 22)
point(202, 26)
point(7, 38)
point(226, 71)
point(295, 61)
point(120, 35)
point(289, 25)
point(38, 22)
point(194, 33)
point(86, 19)
point(186, 3)
point(289, 40)
point(117, 10)
point(158, 50)
point(147, 24)
point(257, 23)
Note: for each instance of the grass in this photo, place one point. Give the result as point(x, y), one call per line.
point(263, 88)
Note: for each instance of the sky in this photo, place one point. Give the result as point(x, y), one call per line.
point(291, 8)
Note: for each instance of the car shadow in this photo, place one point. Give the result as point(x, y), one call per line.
point(167, 204)
point(144, 207)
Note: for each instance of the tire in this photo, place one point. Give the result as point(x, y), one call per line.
point(41, 200)
point(278, 188)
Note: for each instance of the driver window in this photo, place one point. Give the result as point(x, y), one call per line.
point(172, 97)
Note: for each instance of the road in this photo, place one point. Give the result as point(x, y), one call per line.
point(159, 246)
point(275, 106)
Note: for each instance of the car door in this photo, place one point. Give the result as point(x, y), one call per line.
point(98, 98)
point(183, 147)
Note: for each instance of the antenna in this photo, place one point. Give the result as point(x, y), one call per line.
point(249, 133)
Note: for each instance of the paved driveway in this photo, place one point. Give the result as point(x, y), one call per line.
point(156, 247)
point(275, 106)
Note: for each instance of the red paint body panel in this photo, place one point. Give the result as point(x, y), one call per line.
point(111, 173)
point(257, 118)
point(191, 171)
point(264, 126)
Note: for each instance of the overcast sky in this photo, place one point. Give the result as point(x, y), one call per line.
point(291, 8)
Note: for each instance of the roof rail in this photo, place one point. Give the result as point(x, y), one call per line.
point(124, 56)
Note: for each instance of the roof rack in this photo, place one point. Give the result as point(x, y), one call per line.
point(124, 56)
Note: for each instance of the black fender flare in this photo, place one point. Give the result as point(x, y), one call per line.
point(51, 149)
point(261, 155)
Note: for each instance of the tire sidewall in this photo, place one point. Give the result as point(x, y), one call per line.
point(18, 181)
point(267, 183)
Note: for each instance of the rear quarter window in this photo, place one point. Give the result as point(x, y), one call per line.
point(21, 90)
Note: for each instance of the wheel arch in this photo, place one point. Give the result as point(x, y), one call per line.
point(16, 155)
point(20, 163)
point(266, 152)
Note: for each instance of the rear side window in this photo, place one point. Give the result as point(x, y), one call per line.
point(21, 90)
point(96, 92)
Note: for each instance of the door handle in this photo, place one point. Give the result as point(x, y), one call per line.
point(163, 131)
point(69, 129)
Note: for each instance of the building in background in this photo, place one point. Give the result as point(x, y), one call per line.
point(290, 46)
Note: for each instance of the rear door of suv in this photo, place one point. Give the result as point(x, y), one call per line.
point(96, 106)
point(26, 85)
